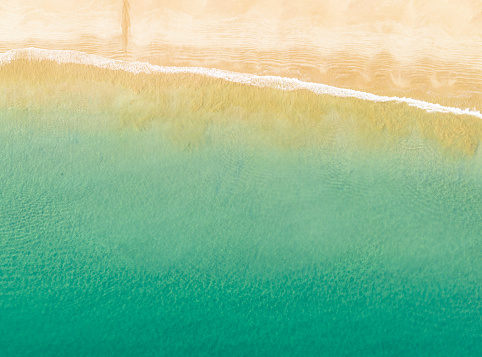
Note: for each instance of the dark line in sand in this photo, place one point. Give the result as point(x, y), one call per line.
point(126, 24)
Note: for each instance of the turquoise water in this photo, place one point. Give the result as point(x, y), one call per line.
point(123, 242)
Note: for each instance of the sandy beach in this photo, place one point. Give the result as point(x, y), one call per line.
point(417, 49)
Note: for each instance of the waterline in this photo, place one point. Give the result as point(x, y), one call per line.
point(282, 83)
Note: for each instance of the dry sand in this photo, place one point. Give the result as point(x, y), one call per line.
point(427, 50)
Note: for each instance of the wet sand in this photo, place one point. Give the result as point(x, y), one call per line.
point(287, 118)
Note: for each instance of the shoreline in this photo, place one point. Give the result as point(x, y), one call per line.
point(190, 100)
point(282, 83)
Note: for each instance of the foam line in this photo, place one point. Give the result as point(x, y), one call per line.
point(283, 83)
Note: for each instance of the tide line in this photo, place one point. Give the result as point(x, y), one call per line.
point(282, 83)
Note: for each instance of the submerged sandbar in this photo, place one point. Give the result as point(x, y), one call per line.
point(194, 100)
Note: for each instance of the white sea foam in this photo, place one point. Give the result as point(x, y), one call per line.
point(283, 83)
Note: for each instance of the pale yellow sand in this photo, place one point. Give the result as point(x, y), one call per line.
point(424, 49)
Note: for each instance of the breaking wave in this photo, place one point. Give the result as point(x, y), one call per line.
point(283, 83)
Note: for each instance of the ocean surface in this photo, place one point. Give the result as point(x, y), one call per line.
point(177, 215)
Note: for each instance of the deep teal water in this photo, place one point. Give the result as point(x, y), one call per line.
point(123, 243)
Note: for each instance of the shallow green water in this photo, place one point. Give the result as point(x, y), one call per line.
point(123, 243)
